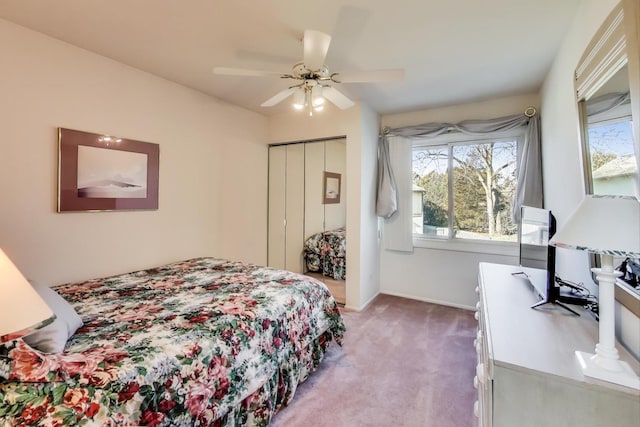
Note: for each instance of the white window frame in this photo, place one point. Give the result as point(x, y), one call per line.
point(459, 244)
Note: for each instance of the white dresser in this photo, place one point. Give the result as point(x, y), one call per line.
point(527, 374)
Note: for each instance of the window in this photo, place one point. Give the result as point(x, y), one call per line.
point(609, 151)
point(464, 189)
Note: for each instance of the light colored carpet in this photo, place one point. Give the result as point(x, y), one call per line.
point(403, 363)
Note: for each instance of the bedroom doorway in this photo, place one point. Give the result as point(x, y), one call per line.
point(307, 210)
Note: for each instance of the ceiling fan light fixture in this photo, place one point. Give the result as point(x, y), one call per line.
point(299, 99)
point(313, 86)
point(316, 96)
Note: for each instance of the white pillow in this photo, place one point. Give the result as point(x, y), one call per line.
point(53, 337)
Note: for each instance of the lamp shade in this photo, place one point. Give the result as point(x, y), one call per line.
point(22, 311)
point(603, 225)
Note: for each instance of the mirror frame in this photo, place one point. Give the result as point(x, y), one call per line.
point(607, 53)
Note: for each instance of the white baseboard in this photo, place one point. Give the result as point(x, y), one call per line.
point(432, 301)
point(352, 308)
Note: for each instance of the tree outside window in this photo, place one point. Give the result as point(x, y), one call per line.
point(468, 188)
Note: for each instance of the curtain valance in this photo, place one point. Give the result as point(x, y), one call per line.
point(529, 185)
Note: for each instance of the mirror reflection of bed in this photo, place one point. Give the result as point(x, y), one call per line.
point(299, 210)
point(325, 259)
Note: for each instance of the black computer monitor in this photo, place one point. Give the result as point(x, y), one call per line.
point(538, 258)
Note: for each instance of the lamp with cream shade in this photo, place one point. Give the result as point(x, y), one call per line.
point(609, 226)
point(22, 311)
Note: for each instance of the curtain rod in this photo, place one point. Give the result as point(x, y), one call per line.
point(529, 112)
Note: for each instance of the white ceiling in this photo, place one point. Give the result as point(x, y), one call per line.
point(453, 51)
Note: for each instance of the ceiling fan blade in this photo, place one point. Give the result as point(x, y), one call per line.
point(279, 97)
point(225, 71)
point(337, 98)
point(371, 76)
point(316, 45)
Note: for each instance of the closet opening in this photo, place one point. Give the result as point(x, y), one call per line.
point(307, 210)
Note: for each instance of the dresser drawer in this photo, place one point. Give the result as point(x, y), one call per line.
point(482, 380)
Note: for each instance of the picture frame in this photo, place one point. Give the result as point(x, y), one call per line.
point(106, 173)
point(331, 188)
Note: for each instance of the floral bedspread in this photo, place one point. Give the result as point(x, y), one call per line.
point(325, 252)
point(196, 343)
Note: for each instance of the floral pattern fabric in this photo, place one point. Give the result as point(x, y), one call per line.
point(326, 252)
point(196, 343)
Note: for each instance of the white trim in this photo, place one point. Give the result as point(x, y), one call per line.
point(465, 245)
point(432, 301)
point(352, 308)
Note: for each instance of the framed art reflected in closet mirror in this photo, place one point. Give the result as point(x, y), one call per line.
point(607, 85)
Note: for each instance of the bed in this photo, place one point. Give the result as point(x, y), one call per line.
point(203, 342)
point(325, 253)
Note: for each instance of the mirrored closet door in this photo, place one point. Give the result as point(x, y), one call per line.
point(307, 210)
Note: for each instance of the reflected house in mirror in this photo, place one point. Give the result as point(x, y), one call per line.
point(610, 161)
point(618, 176)
point(104, 173)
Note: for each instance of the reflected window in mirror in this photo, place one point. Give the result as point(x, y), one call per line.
point(607, 85)
point(610, 162)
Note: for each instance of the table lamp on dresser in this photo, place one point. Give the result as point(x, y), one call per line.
point(22, 311)
point(609, 226)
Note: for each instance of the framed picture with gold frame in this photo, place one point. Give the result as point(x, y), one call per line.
point(331, 188)
point(105, 173)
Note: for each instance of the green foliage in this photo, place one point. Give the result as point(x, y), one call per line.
point(484, 181)
point(598, 158)
point(435, 198)
point(434, 214)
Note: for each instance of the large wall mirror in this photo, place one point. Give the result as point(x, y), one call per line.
point(307, 212)
point(610, 165)
point(607, 85)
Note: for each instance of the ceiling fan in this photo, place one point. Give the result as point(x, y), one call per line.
point(313, 80)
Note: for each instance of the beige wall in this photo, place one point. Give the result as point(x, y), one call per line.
point(360, 126)
point(368, 220)
point(563, 178)
point(443, 276)
point(208, 205)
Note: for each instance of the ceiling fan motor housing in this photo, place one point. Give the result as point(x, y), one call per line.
point(301, 72)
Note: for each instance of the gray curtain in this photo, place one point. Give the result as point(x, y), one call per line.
point(607, 102)
point(529, 187)
point(387, 197)
point(529, 190)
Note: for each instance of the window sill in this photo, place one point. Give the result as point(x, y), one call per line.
point(460, 245)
